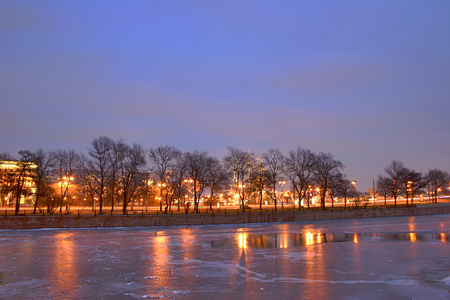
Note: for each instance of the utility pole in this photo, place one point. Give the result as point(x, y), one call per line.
point(373, 182)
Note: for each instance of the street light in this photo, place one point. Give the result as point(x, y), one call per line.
point(160, 185)
point(282, 183)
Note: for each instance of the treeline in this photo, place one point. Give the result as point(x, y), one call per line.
point(399, 180)
point(116, 173)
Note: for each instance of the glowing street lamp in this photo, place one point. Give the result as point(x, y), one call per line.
point(282, 183)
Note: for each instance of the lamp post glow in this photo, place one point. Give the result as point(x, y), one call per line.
point(161, 185)
point(282, 183)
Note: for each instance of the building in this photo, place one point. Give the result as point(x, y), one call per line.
point(17, 177)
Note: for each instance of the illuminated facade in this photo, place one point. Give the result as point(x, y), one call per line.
point(17, 177)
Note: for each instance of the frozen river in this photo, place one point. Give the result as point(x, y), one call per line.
point(382, 258)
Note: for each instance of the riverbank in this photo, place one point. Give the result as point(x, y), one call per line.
point(82, 221)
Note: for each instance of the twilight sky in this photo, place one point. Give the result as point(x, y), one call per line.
point(368, 81)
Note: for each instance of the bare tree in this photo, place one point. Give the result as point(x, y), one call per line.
point(325, 169)
point(117, 156)
point(273, 163)
point(6, 156)
point(25, 172)
point(179, 175)
point(259, 182)
point(100, 167)
point(395, 174)
point(86, 177)
point(44, 161)
point(299, 168)
point(412, 183)
point(217, 177)
point(65, 161)
point(196, 170)
point(130, 167)
point(340, 186)
point(162, 161)
point(437, 179)
point(384, 187)
point(239, 163)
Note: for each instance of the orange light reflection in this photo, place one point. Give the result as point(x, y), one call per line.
point(64, 269)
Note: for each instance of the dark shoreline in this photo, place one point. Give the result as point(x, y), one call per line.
point(83, 221)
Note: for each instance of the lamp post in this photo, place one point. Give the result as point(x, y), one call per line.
point(282, 183)
point(64, 186)
point(149, 182)
point(161, 185)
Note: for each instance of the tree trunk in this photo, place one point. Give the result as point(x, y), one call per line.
point(275, 197)
point(100, 199)
point(260, 200)
point(16, 211)
point(38, 191)
point(112, 194)
point(125, 203)
point(211, 199)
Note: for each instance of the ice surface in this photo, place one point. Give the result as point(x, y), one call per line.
point(382, 258)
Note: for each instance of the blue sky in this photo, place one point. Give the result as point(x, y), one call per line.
point(368, 81)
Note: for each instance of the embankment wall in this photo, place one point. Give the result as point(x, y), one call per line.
point(32, 222)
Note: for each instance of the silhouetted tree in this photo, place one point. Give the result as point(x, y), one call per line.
point(217, 177)
point(129, 168)
point(384, 187)
point(273, 163)
point(25, 172)
point(99, 167)
point(163, 160)
point(437, 179)
point(239, 163)
point(179, 175)
point(340, 186)
point(45, 161)
point(196, 170)
point(6, 156)
point(259, 179)
point(65, 162)
point(299, 168)
point(325, 169)
point(117, 156)
point(412, 183)
point(395, 174)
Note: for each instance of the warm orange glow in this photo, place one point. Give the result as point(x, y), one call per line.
point(355, 238)
point(187, 238)
point(309, 238)
point(319, 238)
point(64, 268)
point(442, 235)
point(242, 240)
point(284, 241)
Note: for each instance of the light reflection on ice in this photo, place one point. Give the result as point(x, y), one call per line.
point(260, 241)
point(387, 258)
